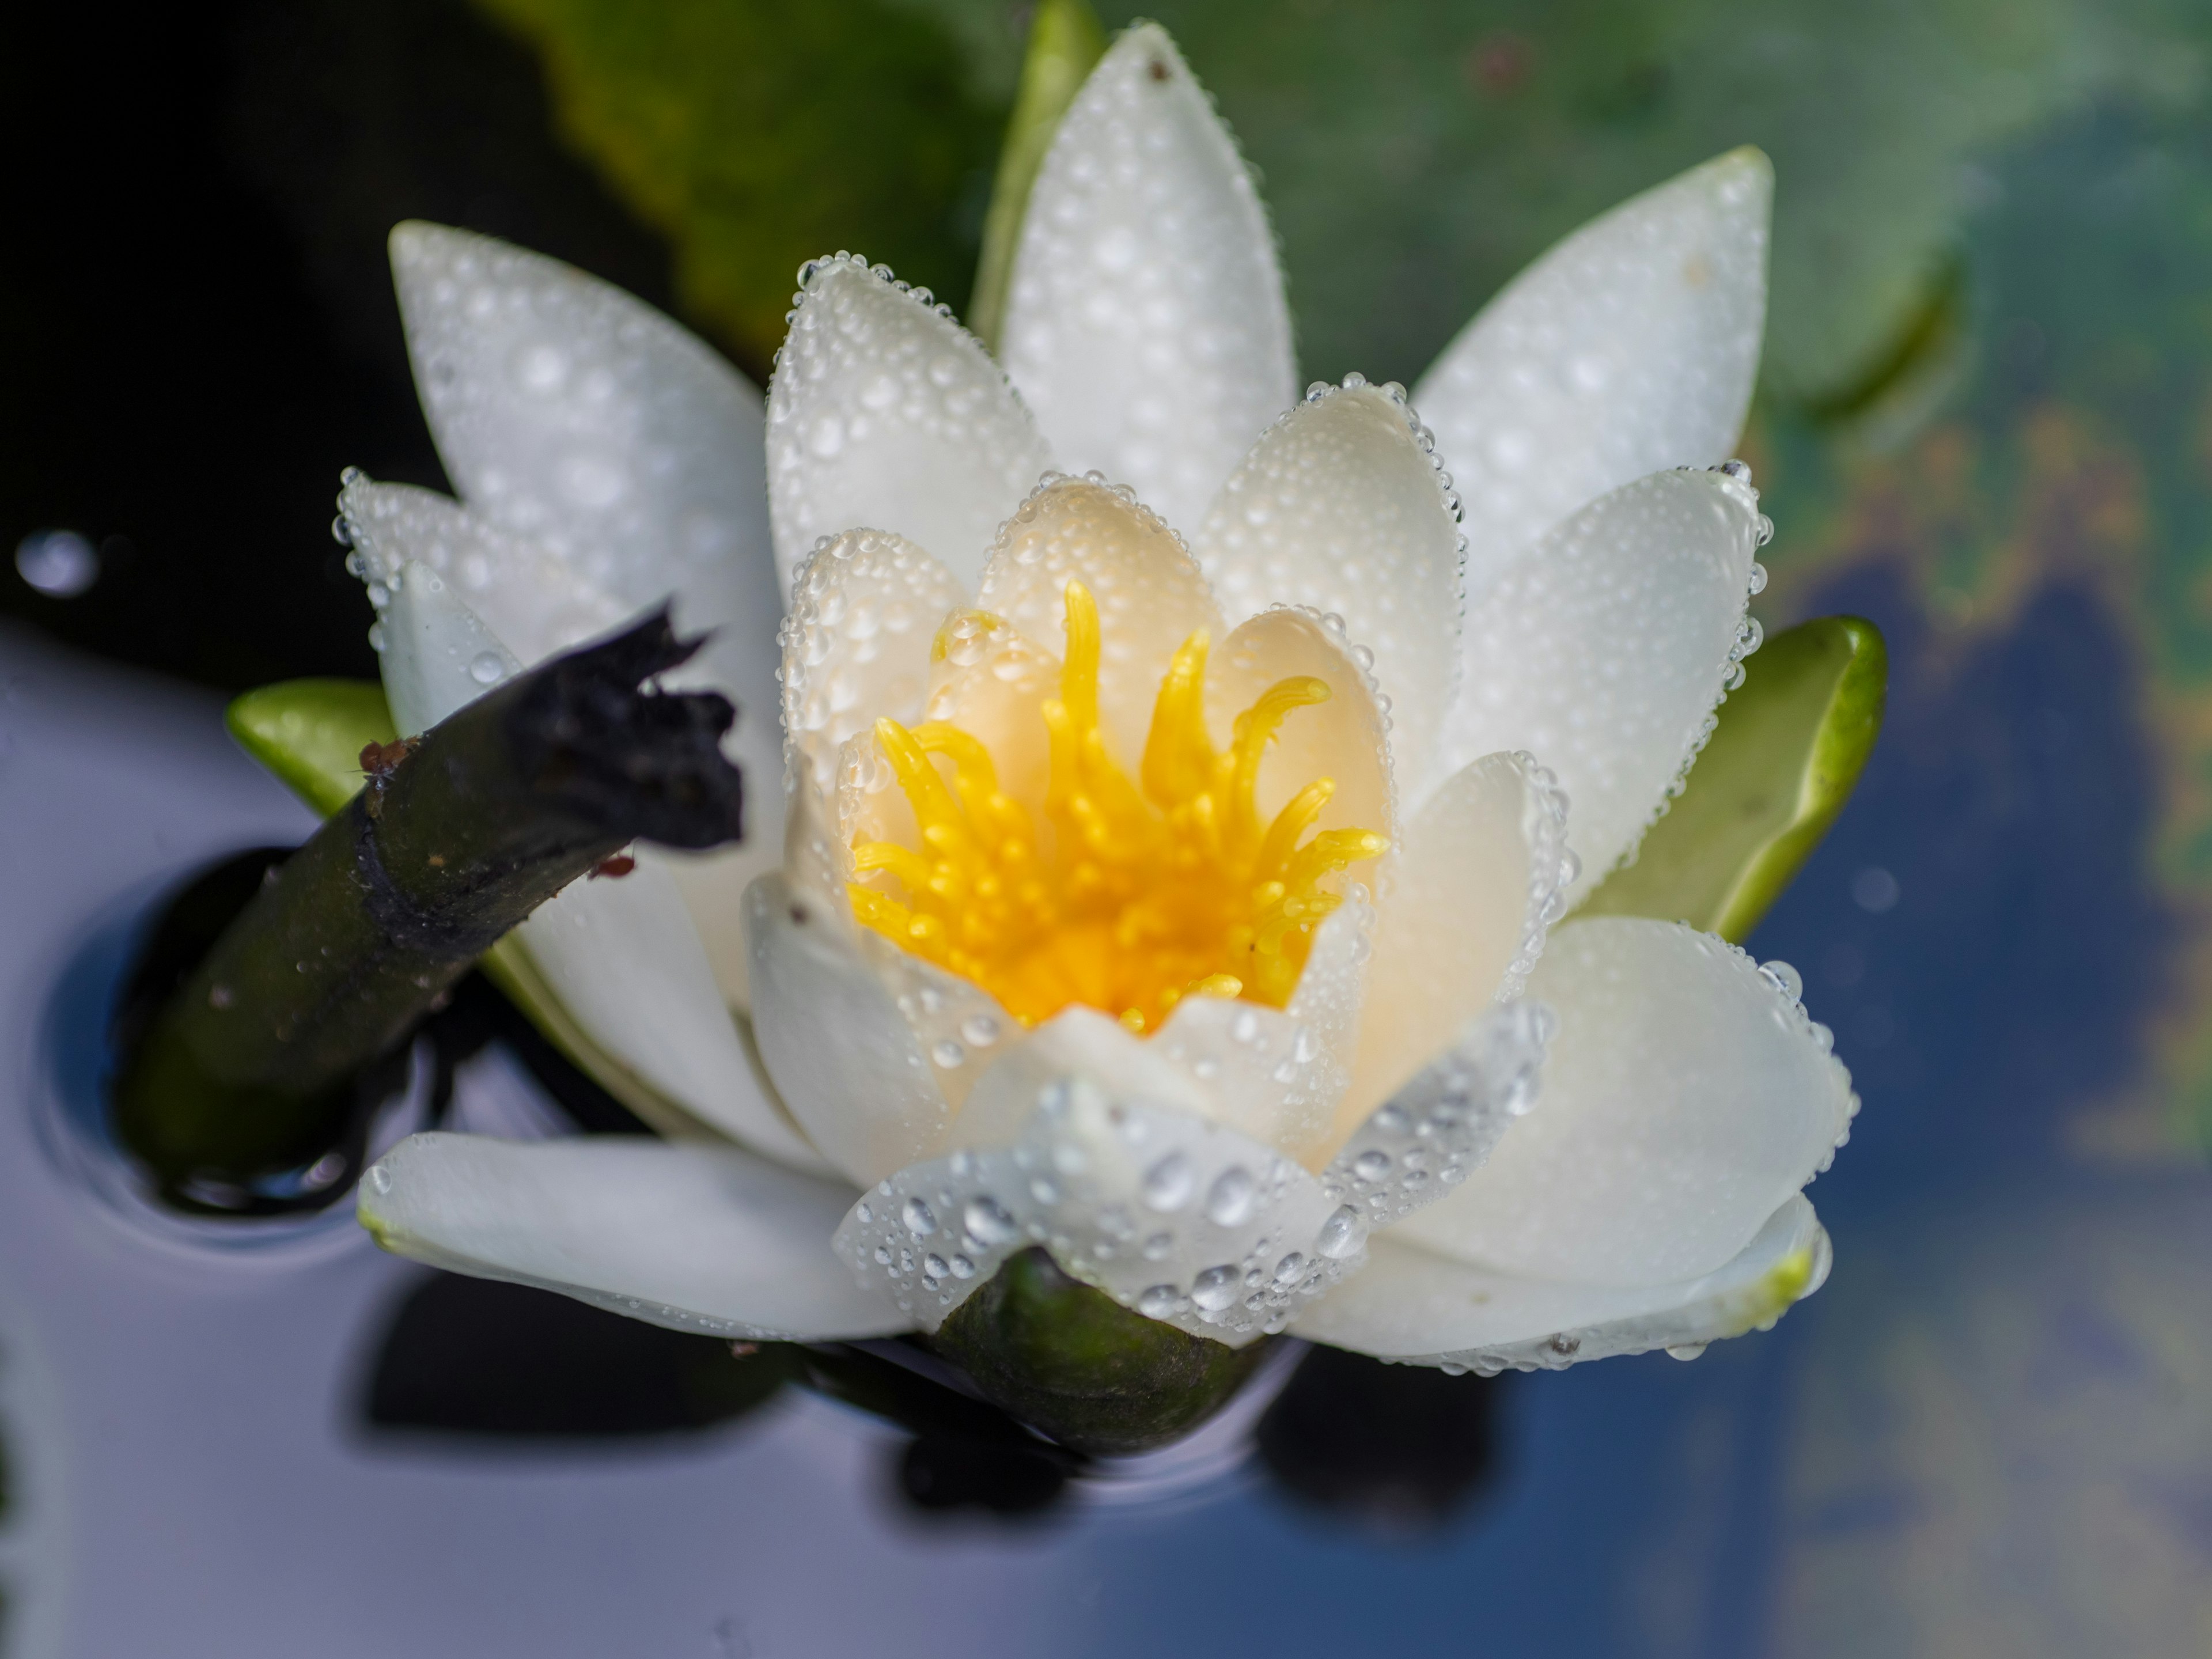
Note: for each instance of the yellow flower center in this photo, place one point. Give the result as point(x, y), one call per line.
point(1151, 890)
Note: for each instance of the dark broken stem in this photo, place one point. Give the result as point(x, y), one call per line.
point(247, 1070)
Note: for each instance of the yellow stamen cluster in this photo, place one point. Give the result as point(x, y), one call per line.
point(1151, 890)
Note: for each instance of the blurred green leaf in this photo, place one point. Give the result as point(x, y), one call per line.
point(1788, 749)
point(311, 732)
point(1064, 41)
point(756, 136)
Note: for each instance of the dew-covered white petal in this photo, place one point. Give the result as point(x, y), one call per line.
point(848, 1066)
point(1345, 738)
point(1603, 650)
point(1410, 1305)
point(885, 412)
point(536, 603)
point(960, 1026)
point(1340, 508)
point(1179, 1217)
point(1145, 322)
point(625, 960)
point(1630, 347)
point(575, 415)
point(1469, 894)
point(856, 644)
point(436, 654)
point(1686, 1096)
point(1151, 596)
point(694, 1236)
point(1436, 1129)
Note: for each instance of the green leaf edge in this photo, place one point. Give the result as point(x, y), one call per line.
point(309, 733)
point(1065, 42)
point(1826, 763)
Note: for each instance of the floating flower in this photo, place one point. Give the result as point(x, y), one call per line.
point(1187, 904)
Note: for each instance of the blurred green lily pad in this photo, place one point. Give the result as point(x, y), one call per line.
point(1788, 749)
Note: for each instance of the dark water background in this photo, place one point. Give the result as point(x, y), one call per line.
point(1985, 424)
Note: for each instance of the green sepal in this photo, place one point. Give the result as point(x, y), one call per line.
point(311, 732)
point(1065, 41)
point(1076, 1364)
point(1788, 748)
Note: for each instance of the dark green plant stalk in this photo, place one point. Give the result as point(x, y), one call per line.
point(1091, 1374)
point(247, 1071)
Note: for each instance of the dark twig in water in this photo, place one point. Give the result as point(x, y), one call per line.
point(457, 836)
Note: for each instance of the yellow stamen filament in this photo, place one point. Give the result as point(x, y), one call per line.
point(1152, 889)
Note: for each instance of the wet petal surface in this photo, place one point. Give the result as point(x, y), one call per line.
point(1146, 324)
point(1340, 507)
point(1687, 1096)
point(1630, 347)
point(887, 415)
point(1603, 651)
point(694, 1238)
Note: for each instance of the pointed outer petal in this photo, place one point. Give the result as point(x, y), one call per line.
point(1341, 505)
point(1150, 593)
point(626, 962)
point(694, 1238)
point(1686, 1095)
point(884, 411)
point(1424, 1309)
point(957, 1024)
point(845, 1062)
point(437, 654)
point(993, 684)
point(1181, 1220)
point(856, 644)
point(1471, 892)
point(1146, 326)
point(1437, 1129)
point(536, 603)
point(1604, 649)
point(570, 413)
point(1630, 347)
point(1347, 737)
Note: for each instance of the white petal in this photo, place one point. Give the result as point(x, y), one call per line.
point(856, 647)
point(1150, 593)
point(1686, 1098)
point(1345, 738)
point(572, 414)
point(1145, 323)
point(1178, 1218)
point(885, 412)
point(1462, 917)
point(1436, 1130)
point(1262, 1071)
point(1408, 1304)
point(536, 603)
point(1342, 508)
point(694, 1237)
point(993, 684)
point(1630, 347)
point(959, 1025)
point(842, 1058)
point(1603, 649)
point(437, 655)
point(1332, 989)
point(626, 962)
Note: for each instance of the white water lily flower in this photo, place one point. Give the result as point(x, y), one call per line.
point(1174, 904)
